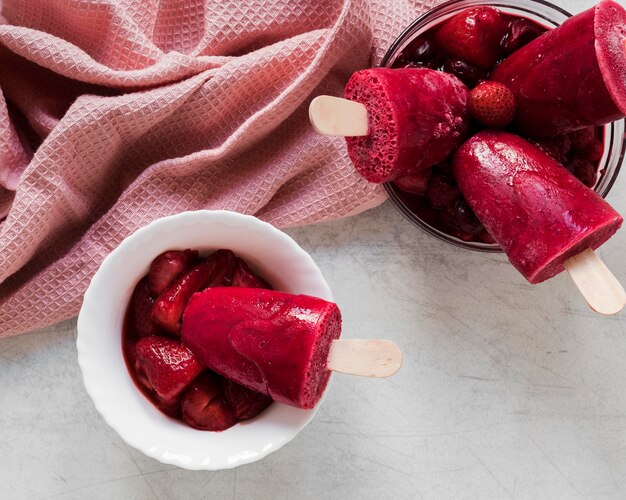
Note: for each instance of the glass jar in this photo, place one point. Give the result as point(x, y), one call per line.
point(544, 13)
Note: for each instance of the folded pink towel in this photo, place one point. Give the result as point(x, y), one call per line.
point(116, 112)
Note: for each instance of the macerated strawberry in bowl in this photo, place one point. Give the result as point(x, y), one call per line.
point(163, 368)
point(276, 344)
point(151, 387)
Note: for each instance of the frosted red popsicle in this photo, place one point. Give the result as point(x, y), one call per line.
point(272, 342)
point(416, 118)
point(535, 209)
point(572, 76)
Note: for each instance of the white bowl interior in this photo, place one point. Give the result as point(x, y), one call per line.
point(271, 252)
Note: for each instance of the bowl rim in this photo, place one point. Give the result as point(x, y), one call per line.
point(91, 375)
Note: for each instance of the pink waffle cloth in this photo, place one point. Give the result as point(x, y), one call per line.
point(114, 113)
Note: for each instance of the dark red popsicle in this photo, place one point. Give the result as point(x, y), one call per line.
point(535, 209)
point(272, 342)
point(416, 117)
point(572, 76)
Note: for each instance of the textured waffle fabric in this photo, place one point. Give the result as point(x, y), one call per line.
point(114, 113)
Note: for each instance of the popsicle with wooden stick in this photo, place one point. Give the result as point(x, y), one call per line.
point(280, 344)
point(542, 216)
point(396, 121)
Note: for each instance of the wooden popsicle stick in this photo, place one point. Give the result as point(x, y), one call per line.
point(596, 283)
point(336, 116)
point(367, 358)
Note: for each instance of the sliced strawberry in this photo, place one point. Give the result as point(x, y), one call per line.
point(130, 354)
point(224, 262)
point(168, 266)
point(492, 104)
point(204, 407)
point(474, 36)
point(244, 277)
point(168, 366)
point(169, 306)
point(141, 304)
point(416, 183)
point(245, 402)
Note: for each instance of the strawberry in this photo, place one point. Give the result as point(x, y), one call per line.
point(558, 147)
point(204, 407)
point(485, 237)
point(441, 192)
point(585, 170)
point(245, 278)
point(130, 354)
point(141, 304)
point(582, 138)
point(169, 367)
point(474, 36)
point(592, 151)
point(416, 183)
point(168, 266)
point(245, 402)
point(224, 262)
point(169, 306)
point(492, 104)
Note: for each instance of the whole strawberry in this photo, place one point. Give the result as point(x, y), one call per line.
point(168, 366)
point(473, 36)
point(492, 104)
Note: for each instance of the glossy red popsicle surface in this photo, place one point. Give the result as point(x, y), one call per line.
point(416, 117)
point(572, 76)
point(272, 342)
point(535, 209)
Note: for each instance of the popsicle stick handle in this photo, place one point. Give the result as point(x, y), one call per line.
point(336, 116)
point(596, 283)
point(367, 358)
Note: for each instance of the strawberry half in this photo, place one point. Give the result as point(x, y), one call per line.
point(492, 104)
point(141, 304)
point(474, 36)
point(243, 277)
point(168, 266)
point(416, 183)
point(169, 306)
point(168, 366)
point(245, 402)
point(204, 407)
point(223, 262)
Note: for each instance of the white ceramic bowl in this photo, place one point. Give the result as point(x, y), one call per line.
point(266, 249)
